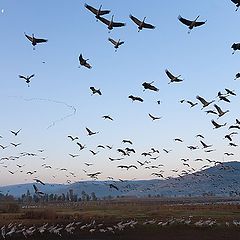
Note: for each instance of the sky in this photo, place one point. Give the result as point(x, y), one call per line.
point(59, 103)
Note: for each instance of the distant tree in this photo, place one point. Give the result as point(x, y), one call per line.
point(93, 196)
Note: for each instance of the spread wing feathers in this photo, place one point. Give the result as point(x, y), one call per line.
point(134, 19)
point(114, 24)
point(202, 100)
point(218, 109)
point(104, 20)
point(197, 24)
point(235, 1)
point(216, 125)
point(184, 21)
point(29, 38)
point(95, 11)
point(113, 41)
point(35, 188)
point(169, 74)
point(40, 40)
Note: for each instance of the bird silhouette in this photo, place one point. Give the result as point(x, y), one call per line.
point(40, 193)
point(135, 98)
point(217, 125)
point(83, 62)
point(91, 132)
point(113, 186)
point(97, 12)
point(189, 23)
point(237, 76)
point(116, 44)
point(107, 117)
point(81, 147)
point(15, 144)
point(153, 117)
point(150, 86)
point(34, 40)
point(220, 111)
point(94, 91)
point(205, 145)
point(192, 104)
point(72, 138)
point(237, 3)
point(26, 78)
point(172, 77)
point(203, 101)
point(141, 24)
point(111, 24)
point(15, 132)
point(126, 141)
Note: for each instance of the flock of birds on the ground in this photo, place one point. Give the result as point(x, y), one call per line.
point(150, 155)
point(95, 227)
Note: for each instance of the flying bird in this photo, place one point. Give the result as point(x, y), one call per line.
point(83, 62)
point(34, 40)
point(203, 101)
point(15, 132)
point(111, 24)
point(127, 141)
point(237, 76)
point(141, 24)
point(217, 125)
point(97, 12)
point(153, 117)
point(26, 78)
point(205, 145)
point(39, 181)
point(37, 191)
point(107, 117)
point(135, 98)
point(72, 138)
point(189, 23)
point(113, 186)
point(149, 86)
point(237, 3)
point(192, 104)
point(220, 111)
point(172, 77)
point(115, 43)
point(91, 132)
point(94, 91)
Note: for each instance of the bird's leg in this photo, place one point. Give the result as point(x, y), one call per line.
point(233, 52)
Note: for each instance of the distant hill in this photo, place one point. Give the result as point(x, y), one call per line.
point(220, 180)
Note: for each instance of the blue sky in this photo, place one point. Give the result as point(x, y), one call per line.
point(59, 86)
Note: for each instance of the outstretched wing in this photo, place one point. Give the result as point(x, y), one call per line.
point(202, 100)
point(29, 38)
point(104, 20)
point(118, 24)
point(31, 76)
point(134, 19)
point(147, 25)
point(40, 40)
point(184, 21)
point(218, 108)
point(35, 188)
point(169, 74)
point(199, 23)
point(112, 41)
point(90, 8)
point(21, 76)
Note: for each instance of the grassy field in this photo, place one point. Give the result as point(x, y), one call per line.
point(109, 213)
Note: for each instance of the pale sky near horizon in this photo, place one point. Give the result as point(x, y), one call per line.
point(58, 102)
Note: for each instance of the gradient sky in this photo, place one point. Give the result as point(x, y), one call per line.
point(59, 102)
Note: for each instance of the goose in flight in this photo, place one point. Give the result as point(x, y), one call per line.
point(172, 77)
point(39, 181)
point(15, 144)
point(203, 101)
point(81, 147)
point(126, 141)
point(26, 78)
point(83, 62)
point(94, 91)
point(205, 145)
point(97, 12)
point(72, 138)
point(230, 92)
point(15, 132)
point(192, 104)
point(220, 111)
point(111, 24)
point(91, 132)
point(237, 3)
point(135, 98)
point(189, 23)
point(37, 191)
point(149, 86)
point(153, 117)
point(237, 76)
point(141, 24)
point(113, 186)
point(107, 117)
point(73, 156)
point(217, 125)
point(115, 43)
point(34, 40)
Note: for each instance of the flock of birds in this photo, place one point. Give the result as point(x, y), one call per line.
point(13, 230)
point(150, 156)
